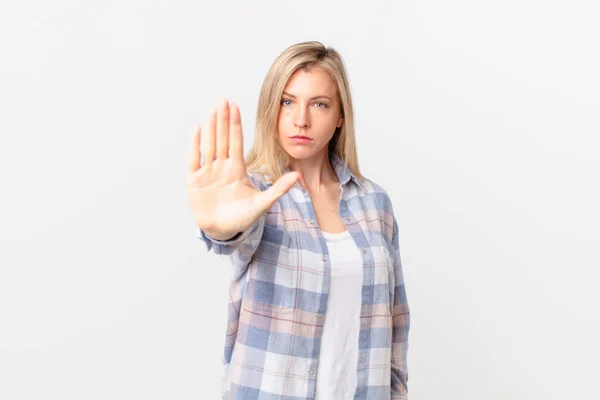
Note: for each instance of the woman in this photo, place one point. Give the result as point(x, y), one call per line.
point(318, 307)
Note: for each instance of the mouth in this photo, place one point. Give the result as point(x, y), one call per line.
point(300, 137)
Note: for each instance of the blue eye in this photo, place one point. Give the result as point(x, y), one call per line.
point(287, 102)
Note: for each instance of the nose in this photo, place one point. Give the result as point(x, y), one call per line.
point(301, 119)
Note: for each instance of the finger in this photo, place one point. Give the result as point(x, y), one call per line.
point(236, 139)
point(223, 130)
point(195, 149)
point(278, 189)
point(208, 138)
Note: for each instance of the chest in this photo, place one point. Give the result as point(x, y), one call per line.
point(293, 260)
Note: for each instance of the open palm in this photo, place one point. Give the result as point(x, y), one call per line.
point(223, 200)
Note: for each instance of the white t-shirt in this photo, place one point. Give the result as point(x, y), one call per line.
point(338, 358)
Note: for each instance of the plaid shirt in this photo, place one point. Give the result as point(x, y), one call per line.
point(278, 296)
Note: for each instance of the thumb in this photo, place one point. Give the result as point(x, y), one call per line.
point(278, 189)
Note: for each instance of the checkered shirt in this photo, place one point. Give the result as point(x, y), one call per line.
point(278, 296)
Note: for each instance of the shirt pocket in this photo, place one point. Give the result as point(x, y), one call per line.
point(273, 273)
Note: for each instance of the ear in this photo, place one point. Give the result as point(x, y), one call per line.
point(340, 121)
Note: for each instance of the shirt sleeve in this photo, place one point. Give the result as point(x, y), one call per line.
point(401, 325)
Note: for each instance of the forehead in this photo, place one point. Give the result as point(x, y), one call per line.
point(313, 82)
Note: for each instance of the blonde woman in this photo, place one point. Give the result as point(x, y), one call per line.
point(318, 307)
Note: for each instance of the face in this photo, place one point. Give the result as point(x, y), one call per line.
point(309, 107)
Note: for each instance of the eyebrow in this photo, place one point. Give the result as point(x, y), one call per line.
point(312, 98)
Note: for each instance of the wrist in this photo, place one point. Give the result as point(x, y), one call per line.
point(221, 236)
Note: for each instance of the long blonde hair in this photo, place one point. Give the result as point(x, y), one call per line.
point(266, 155)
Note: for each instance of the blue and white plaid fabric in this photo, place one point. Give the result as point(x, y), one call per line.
point(278, 296)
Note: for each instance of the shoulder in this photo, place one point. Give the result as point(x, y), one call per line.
point(371, 188)
point(383, 204)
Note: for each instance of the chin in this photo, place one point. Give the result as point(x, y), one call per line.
point(301, 153)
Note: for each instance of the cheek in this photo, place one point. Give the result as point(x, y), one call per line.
point(279, 127)
point(326, 125)
point(283, 123)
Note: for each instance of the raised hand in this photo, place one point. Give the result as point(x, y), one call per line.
point(223, 200)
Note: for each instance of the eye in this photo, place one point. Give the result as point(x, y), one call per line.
point(283, 102)
point(323, 104)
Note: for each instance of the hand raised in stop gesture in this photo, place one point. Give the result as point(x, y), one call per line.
point(223, 200)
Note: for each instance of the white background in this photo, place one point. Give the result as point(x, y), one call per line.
point(480, 119)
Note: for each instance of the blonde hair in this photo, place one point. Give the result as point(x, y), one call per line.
point(266, 155)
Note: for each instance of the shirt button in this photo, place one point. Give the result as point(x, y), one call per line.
point(310, 371)
point(318, 316)
point(364, 251)
point(362, 360)
point(365, 307)
point(347, 219)
point(324, 257)
point(310, 221)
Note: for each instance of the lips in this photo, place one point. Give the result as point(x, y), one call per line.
point(301, 137)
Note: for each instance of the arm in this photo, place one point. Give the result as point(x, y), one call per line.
point(401, 325)
point(240, 247)
point(225, 198)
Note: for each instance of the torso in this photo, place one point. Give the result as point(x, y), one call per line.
point(326, 207)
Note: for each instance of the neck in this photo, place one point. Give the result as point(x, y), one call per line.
point(317, 172)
